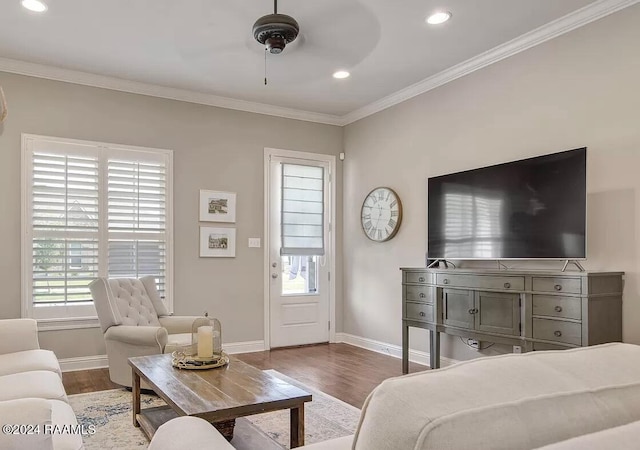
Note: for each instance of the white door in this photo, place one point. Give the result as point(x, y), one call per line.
point(299, 253)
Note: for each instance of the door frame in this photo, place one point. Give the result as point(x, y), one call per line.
point(331, 159)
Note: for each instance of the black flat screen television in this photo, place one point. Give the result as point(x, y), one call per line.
point(529, 209)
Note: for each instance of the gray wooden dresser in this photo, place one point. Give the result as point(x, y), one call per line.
point(533, 309)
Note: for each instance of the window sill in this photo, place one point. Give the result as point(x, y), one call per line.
point(71, 323)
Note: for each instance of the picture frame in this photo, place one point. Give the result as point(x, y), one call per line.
point(217, 206)
point(217, 242)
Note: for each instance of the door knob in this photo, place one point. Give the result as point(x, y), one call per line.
point(274, 275)
point(274, 265)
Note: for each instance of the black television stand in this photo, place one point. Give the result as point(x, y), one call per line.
point(574, 262)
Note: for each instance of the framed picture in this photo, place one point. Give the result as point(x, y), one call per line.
point(217, 242)
point(217, 206)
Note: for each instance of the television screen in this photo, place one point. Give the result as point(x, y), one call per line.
point(528, 209)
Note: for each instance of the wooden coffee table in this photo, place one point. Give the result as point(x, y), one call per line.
point(216, 395)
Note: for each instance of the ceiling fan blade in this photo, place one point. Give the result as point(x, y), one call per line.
point(324, 31)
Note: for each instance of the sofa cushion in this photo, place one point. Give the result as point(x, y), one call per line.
point(533, 422)
point(32, 411)
point(36, 384)
point(189, 433)
point(29, 360)
point(61, 415)
point(624, 437)
point(400, 412)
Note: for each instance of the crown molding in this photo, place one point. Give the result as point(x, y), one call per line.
point(558, 27)
point(135, 87)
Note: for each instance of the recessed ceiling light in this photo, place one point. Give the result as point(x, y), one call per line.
point(438, 17)
point(341, 74)
point(34, 5)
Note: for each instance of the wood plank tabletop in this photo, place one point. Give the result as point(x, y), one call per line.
point(235, 390)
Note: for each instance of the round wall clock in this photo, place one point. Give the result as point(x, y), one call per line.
point(381, 214)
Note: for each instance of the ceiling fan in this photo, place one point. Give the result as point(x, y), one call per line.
point(275, 31)
point(309, 54)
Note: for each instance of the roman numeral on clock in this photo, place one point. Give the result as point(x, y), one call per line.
point(394, 213)
point(392, 223)
point(393, 203)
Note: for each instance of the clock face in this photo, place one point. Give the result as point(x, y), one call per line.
point(381, 214)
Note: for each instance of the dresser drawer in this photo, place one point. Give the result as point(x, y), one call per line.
point(557, 284)
point(512, 283)
point(419, 293)
point(557, 306)
point(557, 330)
point(419, 311)
point(418, 277)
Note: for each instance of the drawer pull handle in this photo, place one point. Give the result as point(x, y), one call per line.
point(421, 279)
point(558, 287)
point(557, 333)
point(473, 311)
point(507, 285)
point(445, 281)
point(422, 295)
point(422, 314)
point(558, 308)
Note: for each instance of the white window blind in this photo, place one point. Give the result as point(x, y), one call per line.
point(137, 211)
point(302, 209)
point(64, 211)
point(91, 210)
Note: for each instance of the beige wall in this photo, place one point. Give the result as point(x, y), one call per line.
point(214, 148)
point(581, 89)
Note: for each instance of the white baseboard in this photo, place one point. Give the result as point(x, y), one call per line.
point(83, 363)
point(101, 362)
point(243, 347)
point(390, 349)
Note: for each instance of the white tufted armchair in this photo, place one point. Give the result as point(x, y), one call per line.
point(136, 322)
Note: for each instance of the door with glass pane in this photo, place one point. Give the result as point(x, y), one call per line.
point(298, 255)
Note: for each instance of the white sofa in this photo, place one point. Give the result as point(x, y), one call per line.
point(505, 402)
point(31, 392)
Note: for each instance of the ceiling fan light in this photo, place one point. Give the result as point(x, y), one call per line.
point(341, 74)
point(34, 5)
point(438, 17)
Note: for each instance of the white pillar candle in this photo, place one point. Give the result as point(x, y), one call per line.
point(205, 342)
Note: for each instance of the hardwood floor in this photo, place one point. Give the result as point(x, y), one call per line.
point(340, 370)
point(83, 381)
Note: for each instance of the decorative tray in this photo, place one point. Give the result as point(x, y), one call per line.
point(181, 360)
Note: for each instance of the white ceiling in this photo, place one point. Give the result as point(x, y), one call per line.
point(206, 46)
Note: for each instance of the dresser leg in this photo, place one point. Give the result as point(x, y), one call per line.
point(434, 350)
point(405, 349)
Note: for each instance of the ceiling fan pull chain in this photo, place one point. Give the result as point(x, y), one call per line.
point(265, 66)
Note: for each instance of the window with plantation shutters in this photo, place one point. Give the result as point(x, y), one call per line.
point(90, 210)
point(137, 212)
point(302, 209)
point(65, 223)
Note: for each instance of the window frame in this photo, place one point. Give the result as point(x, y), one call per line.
point(85, 316)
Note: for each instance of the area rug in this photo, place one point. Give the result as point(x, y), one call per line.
point(326, 418)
